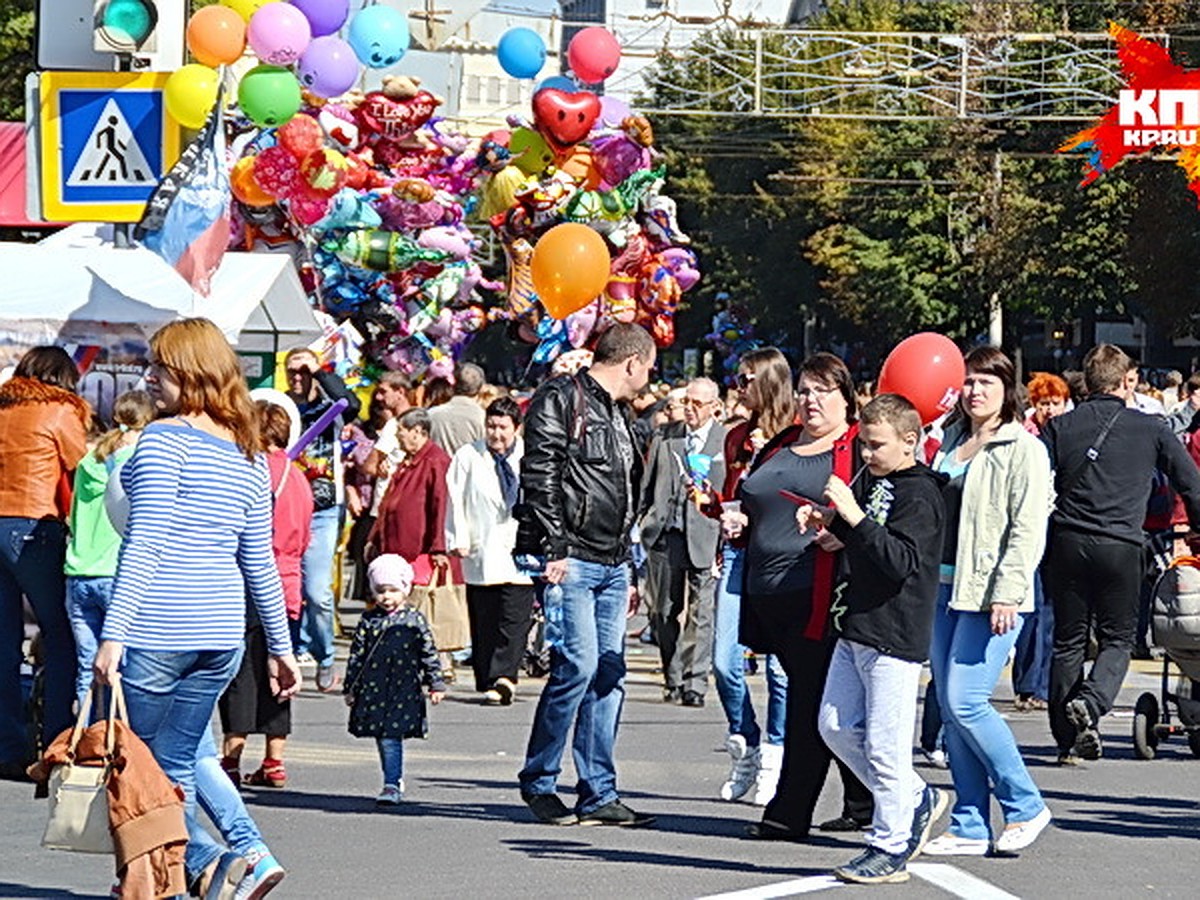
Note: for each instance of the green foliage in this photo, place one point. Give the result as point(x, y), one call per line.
point(16, 56)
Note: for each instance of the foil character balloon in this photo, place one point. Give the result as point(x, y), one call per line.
point(382, 251)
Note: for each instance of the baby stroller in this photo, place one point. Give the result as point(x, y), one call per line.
point(1176, 624)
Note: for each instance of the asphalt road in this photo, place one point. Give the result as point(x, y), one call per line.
point(1122, 828)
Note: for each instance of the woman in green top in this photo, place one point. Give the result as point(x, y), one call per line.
point(92, 551)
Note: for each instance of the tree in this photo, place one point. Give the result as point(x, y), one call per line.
point(16, 56)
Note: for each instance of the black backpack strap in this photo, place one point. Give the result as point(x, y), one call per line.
point(1092, 454)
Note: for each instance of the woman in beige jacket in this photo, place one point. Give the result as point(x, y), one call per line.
point(997, 506)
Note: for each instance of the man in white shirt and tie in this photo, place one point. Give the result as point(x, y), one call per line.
point(681, 542)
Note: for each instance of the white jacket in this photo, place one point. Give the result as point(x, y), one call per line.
point(477, 521)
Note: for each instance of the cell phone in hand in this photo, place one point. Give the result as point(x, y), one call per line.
point(823, 508)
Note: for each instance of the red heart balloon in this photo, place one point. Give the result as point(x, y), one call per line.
point(395, 119)
point(564, 119)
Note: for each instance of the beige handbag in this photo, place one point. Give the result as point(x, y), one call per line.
point(444, 604)
point(79, 793)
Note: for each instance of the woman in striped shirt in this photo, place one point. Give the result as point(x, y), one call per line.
point(197, 540)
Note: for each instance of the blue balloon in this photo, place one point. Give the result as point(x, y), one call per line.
point(559, 83)
point(379, 36)
point(521, 52)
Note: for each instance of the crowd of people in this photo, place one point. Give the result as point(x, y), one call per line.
point(188, 549)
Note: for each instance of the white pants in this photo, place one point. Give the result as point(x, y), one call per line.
point(866, 718)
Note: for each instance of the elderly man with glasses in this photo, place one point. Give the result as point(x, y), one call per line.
point(681, 541)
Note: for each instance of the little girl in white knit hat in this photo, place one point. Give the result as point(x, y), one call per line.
point(392, 657)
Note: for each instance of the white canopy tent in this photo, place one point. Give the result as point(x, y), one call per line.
point(78, 288)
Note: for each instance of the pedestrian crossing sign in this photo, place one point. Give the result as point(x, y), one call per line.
point(106, 142)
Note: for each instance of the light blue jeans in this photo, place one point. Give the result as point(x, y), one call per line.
point(316, 571)
point(223, 804)
point(966, 659)
point(87, 602)
point(729, 663)
point(391, 758)
point(586, 687)
point(171, 697)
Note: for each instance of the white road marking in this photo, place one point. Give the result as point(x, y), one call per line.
point(949, 878)
point(959, 883)
point(794, 888)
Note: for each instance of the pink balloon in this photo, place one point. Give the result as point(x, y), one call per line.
point(612, 111)
point(279, 33)
point(593, 54)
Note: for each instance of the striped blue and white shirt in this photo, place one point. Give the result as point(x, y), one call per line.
point(197, 540)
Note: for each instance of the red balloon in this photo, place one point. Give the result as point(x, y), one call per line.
point(593, 54)
point(926, 369)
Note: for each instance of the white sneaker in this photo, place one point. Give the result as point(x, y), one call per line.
point(952, 845)
point(1020, 835)
point(492, 698)
point(743, 774)
point(937, 758)
point(770, 761)
point(391, 795)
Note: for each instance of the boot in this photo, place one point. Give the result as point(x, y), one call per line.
point(744, 772)
point(770, 762)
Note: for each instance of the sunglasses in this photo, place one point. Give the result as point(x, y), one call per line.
point(744, 379)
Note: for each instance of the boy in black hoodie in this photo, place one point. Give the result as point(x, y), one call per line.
point(891, 524)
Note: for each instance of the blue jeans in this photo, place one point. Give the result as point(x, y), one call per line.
point(222, 803)
point(728, 663)
point(391, 758)
point(316, 571)
point(966, 659)
point(585, 687)
point(1035, 646)
point(31, 565)
point(171, 697)
point(87, 602)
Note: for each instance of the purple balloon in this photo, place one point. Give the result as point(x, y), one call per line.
point(328, 67)
point(612, 111)
point(325, 16)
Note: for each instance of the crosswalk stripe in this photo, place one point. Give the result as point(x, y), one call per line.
point(793, 888)
point(959, 883)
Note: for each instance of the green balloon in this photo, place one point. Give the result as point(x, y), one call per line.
point(530, 152)
point(269, 95)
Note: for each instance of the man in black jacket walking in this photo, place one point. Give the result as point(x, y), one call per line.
point(1104, 456)
point(579, 478)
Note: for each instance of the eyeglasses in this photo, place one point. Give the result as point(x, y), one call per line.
point(692, 401)
point(744, 379)
point(818, 390)
point(292, 373)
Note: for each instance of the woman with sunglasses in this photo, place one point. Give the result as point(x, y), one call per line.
point(788, 582)
point(764, 387)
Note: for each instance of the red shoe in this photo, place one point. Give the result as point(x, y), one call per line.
point(231, 768)
point(270, 774)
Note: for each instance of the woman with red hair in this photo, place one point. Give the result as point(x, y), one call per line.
point(1048, 395)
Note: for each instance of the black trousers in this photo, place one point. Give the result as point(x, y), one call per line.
point(806, 758)
point(500, 615)
point(1092, 578)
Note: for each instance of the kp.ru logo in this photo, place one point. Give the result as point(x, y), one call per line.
point(1149, 118)
point(1159, 108)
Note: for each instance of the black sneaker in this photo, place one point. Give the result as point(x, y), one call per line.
point(844, 823)
point(672, 694)
point(933, 804)
point(616, 813)
point(873, 867)
point(549, 809)
point(1087, 738)
point(693, 699)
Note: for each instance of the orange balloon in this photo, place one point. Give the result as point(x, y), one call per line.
point(569, 268)
point(216, 35)
point(243, 185)
point(580, 166)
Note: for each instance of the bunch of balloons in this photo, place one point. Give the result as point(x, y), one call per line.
point(732, 334)
point(297, 46)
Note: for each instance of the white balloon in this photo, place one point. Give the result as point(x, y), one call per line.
point(279, 398)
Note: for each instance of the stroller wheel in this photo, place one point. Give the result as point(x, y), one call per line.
point(1145, 717)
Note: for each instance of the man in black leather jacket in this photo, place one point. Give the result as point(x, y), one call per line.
point(579, 478)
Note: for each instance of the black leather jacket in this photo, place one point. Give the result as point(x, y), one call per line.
point(576, 500)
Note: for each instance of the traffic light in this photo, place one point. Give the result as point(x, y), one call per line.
point(125, 26)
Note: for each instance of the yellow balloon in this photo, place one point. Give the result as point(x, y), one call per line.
point(190, 94)
point(246, 8)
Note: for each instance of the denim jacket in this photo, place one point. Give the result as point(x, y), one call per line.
point(1002, 525)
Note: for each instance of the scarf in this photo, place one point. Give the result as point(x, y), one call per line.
point(508, 478)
